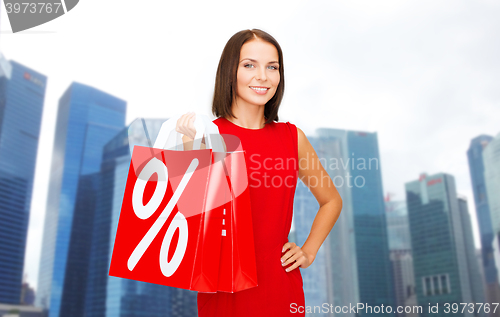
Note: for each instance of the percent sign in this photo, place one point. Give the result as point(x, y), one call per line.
point(145, 211)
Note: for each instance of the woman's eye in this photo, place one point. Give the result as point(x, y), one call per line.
point(253, 66)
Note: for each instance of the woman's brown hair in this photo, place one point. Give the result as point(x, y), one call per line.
point(225, 79)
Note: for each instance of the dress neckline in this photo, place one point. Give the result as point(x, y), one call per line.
point(248, 129)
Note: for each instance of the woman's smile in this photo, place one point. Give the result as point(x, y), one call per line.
point(259, 89)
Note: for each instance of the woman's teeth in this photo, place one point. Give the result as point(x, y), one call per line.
point(259, 89)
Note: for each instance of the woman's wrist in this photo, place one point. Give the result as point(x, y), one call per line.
point(311, 255)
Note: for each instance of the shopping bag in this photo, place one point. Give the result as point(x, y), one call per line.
point(237, 268)
point(237, 264)
point(169, 232)
point(173, 216)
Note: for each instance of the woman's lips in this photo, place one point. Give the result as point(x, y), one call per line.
point(259, 90)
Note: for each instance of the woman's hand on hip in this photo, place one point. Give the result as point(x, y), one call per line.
point(295, 255)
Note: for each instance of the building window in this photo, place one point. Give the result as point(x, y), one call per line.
point(445, 282)
point(428, 286)
point(442, 280)
point(435, 285)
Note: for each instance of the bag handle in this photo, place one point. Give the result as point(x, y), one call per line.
point(169, 138)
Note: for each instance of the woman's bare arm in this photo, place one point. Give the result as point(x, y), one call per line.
point(314, 176)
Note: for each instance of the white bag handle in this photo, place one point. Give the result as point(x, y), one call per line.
point(204, 127)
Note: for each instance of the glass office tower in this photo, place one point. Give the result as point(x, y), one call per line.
point(357, 163)
point(476, 279)
point(476, 168)
point(87, 119)
point(491, 160)
point(439, 250)
point(398, 231)
point(109, 296)
point(22, 93)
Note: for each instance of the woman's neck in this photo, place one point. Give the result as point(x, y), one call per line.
point(251, 117)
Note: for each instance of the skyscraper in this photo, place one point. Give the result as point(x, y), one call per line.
point(87, 119)
point(475, 155)
point(398, 231)
point(355, 255)
point(397, 225)
point(109, 296)
point(491, 161)
point(475, 277)
point(437, 236)
point(22, 92)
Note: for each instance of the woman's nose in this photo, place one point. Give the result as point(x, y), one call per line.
point(261, 74)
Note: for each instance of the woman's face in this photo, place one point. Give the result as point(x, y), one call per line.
point(258, 73)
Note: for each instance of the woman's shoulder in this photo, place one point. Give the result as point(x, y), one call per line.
point(297, 134)
point(288, 126)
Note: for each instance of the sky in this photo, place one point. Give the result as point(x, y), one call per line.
point(423, 74)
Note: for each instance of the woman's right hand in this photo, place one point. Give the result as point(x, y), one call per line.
point(185, 125)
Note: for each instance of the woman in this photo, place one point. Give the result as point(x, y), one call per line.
point(249, 88)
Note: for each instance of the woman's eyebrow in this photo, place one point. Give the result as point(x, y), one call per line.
point(253, 60)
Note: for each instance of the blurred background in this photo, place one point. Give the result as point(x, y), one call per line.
point(400, 99)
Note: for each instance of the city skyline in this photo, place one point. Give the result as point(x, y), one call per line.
point(367, 148)
point(420, 109)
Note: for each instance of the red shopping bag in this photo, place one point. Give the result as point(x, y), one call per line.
point(180, 210)
point(237, 265)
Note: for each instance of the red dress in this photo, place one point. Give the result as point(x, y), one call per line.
point(272, 165)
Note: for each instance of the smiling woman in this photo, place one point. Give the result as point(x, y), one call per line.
point(249, 87)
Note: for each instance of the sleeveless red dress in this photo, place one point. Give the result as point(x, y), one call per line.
point(272, 165)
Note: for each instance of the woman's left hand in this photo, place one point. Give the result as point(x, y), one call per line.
point(297, 255)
